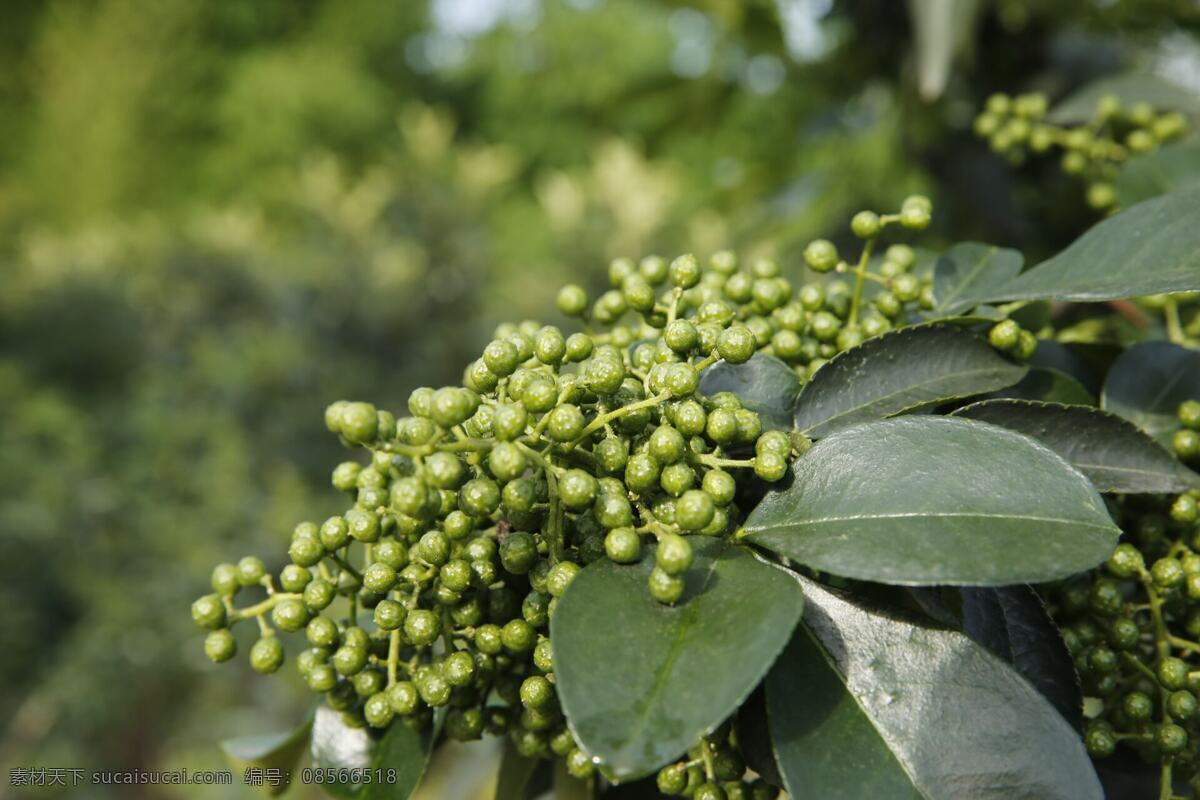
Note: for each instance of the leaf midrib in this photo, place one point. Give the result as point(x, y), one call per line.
point(908, 388)
point(928, 515)
point(968, 279)
point(691, 614)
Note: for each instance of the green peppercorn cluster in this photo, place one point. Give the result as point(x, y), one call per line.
point(469, 515)
point(714, 770)
point(1133, 627)
point(1017, 127)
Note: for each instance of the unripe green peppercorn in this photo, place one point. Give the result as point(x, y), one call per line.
point(736, 344)
point(266, 656)
point(220, 645)
point(664, 587)
point(865, 224)
point(674, 554)
point(209, 612)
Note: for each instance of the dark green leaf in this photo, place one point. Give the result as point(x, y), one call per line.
point(969, 272)
point(935, 500)
point(1086, 363)
point(754, 737)
point(515, 773)
point(1111, 451)
point(901, 371)
point(1150, 248)
point(335, 745)
point(1147, 384)
point(1129, 88)
point(640, 682)
point(1168, 168)
point(864, 704)
point(280, 751)
point(764, 384)
point(1050, 386)
point(1012, 622)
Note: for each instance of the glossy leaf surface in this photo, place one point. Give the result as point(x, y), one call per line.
point(901, 371)
point(639, 681)
point(935, 500)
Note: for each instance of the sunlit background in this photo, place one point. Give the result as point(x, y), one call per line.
point(217, 217)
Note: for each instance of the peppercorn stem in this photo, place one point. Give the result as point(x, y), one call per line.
point(1174, 326)
point(344, 564)
point(602, 420)
point(261, 608)
point(713, 461)
point(393, 656)
point(706, 753)
point(860, 274)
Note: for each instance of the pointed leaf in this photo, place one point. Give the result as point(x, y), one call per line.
point(1129, 88)
point(337, 746)
point(968, 272)
point(1151, 248)
point(669, 674)
point(935, 500)
point(515, 773)
point(1050, 386)
point(1012, 622)
point(280, 751)
point(869, 704)
point(1166, 169)
point(1112, 452)
point(901, 371)
point(1147, 384)
point(754, 736)
point(764, 384)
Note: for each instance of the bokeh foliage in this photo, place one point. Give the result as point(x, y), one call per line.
point(215, 218)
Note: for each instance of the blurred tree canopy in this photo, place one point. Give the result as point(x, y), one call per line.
point(215, 218)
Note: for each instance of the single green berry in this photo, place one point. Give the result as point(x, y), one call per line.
point(674, 554)
point(422, 627)
point(736, 344)
point(266, 656)
point(866, 224)
point(1005, 335)
point(518, 636)
point(220, 645)
point(1186, 444)
point(664, 587)
point(251, 571)
point(821, 255)
point(1173, 673)
point(1171, 738)
point(1126, 561)
point(209, 612)
point(623, 545)
point(1189, 414)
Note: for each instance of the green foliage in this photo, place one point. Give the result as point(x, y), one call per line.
point(990, 508)
point(673, 674)
point(905, 370)
point(871, 700)
point(1115, 455)
point(217, 220)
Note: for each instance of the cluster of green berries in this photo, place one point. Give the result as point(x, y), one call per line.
point(714, 770)
point(470, 515)
point(1186, 441)
point(1017, 126)
point(1133, 630)
point(1009, 337)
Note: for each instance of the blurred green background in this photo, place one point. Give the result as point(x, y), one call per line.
point(217, 217)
